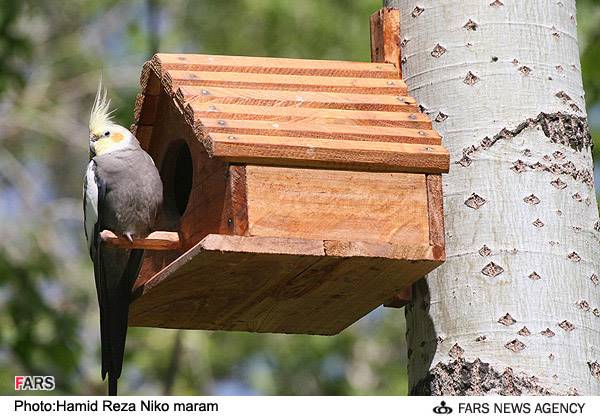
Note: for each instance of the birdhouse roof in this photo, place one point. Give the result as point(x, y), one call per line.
point(280, 111)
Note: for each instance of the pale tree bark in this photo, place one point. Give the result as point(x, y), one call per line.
point(516, 307)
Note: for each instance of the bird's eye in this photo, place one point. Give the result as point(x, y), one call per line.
point(107, 133)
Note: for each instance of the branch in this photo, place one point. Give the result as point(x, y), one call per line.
point(159, 240)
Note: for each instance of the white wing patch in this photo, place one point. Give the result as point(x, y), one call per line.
point(90, 208)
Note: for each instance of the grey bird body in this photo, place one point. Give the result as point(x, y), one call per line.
point(131, 202)
point(123, 194)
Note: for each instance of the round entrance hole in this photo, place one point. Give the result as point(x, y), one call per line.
point(183, 178)
point(177, 172)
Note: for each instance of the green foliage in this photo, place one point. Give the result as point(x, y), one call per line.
point(14, 46)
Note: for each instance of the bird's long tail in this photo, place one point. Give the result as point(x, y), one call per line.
point(112, 385)
point(117, 273)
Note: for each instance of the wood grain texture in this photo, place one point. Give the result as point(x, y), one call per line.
point(328, 226)
point(385, 37)
point(288, 82)
point(400, 299)
point(327, 153)
point(435, 203)
point(227, 111)
point(337, 205)
point(264, 65)
point(238, 204)
point(291, 98)
point(327, 100)
point(158, 240)
point(268, 285)
point(313, 130)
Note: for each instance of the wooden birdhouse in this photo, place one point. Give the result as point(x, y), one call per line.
point(302, 194)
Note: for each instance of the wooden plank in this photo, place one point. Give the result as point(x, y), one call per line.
point(268, 285)
point(158, 240)
point(435, 203)
point(149, 81)
point(328, 153)
point(266, 245)
point(288, 82)
point(385, 37)
point(149, 106)
point(238, 205)
point(400, 299)
point(337, 205)
point(325, 131)
point(398, 251)
point(352, 101)
point(311, 115)
point(197, 62)
point(143, 134)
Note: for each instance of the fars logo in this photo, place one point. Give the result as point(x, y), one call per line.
point(34, 383)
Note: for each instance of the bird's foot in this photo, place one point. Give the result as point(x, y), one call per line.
point(129, 237)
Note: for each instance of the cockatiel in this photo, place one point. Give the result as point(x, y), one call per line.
point(122, 193)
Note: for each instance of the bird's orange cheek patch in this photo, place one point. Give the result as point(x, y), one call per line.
point(117, 137)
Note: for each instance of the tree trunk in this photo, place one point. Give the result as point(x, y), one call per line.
point(516, 307)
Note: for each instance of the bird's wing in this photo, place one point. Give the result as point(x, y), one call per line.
point(90, 204)
point(115, 271)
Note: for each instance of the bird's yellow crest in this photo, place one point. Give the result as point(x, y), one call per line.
point(100, 116)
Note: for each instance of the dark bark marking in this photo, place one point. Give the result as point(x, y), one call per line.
point(569, 130)
point(558, 183)
point(456, 351)
point(594, 369)
point(441, 116)
point(566, 325)
point(538, 223)
point(532, 199)
point(417, 11)
point(548, 333)
point(515, 346)
point(438, 51)
point(492, 269)
point(573, 256)
point(583, 305)
point(465, 161)
point(525, 70)
point(460, 377)
point(475, 201)
point(496, 3)
point(507, 320)
point(485, 251)
point(594, 279)
point(524, 332)
point(470, 79)
point(534, 276)
point(519, 166)
point(470, 25)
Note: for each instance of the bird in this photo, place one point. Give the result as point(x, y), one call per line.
point(123, 193)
